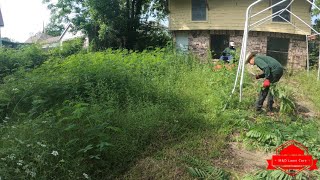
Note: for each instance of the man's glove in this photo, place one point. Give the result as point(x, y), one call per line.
point(266, 83)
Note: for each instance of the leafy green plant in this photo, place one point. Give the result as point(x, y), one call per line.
point(25, 58)
point(286, 101)
point(277, 174)
point(208, 172)
point(200, 170)
point(68, 48)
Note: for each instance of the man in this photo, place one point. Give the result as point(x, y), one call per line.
point(228, 53)
point(272, 72)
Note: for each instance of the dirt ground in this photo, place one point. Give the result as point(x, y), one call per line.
point(237, 159)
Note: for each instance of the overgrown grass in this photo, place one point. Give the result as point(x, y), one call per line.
point(93, 115)
point(129, 115)
point(309, 85)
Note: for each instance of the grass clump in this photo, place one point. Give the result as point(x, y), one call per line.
point(309, 86)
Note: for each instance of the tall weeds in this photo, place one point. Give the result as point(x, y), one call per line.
point(92, 115)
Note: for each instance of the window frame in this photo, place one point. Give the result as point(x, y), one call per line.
point(279, 19)
point(276, 52)
point(206, 11)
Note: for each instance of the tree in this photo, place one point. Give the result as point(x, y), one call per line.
point(109, 23)
point(314, 45)
point(54, 29)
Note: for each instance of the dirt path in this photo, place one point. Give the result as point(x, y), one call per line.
point(241, 160)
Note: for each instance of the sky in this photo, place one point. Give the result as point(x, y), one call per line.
point(23, 18)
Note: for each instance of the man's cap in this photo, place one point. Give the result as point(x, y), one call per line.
point(250, 55)
point(231, 43)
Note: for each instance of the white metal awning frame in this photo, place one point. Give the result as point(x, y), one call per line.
point(248, 27)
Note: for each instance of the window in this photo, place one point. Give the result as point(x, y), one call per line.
point(278, 49)
point(285, 14)
point(182, 41)
point(199, 10)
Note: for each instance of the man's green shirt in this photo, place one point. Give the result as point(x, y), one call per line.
point(268, 65)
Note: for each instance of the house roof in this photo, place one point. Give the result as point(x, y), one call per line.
point(50, 40)
point(37, 38)
point(65, 31)
point(1, 19)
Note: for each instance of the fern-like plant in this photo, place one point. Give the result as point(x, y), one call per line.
point(287, 105)
point(208, 173)
point(201, 170)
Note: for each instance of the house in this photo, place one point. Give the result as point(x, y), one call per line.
point(68, 35)
point(203, 26)
point(1, 19)
point(48, 41)
point(38, 38)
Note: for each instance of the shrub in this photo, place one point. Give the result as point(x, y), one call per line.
point(28, 57)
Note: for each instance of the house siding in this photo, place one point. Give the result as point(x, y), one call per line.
point(230, 15)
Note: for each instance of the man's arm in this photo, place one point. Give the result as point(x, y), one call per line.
point(264, 67)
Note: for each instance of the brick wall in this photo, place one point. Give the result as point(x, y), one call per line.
point(199, 44)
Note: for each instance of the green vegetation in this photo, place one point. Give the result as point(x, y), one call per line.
point(130, 24)
point(309, 85)
point(122, 114)
point(68, 48)
point(96, 113)
point(12, 60)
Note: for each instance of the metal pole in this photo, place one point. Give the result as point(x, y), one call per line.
point(244, 44)
point(244, 47)
point(0, 39)
point(245, 38)
point(308, 65)
point(313, 4)
point(272, 15)
point(303, 22)
point(267, 18)
point(268, 8)
point(319, 63)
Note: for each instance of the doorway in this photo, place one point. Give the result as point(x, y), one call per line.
point(218, 44)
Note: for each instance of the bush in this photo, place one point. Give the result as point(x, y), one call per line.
point(68, 48)
point(28, 57)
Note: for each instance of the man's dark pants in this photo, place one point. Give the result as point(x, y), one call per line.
point(265, 92)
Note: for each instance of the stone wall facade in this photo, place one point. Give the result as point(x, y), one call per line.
point(199, 44)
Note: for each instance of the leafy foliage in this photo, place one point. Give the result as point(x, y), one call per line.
point(68, 48)
point(284, 97)
point(28, 57)
point(200, 170)
point(54, 29)
point(114, 24)
point(275, 175)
